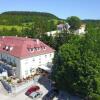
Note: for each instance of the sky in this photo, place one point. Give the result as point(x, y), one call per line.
point(85, 9)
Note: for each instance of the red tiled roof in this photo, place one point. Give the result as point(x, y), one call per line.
point(22, 45)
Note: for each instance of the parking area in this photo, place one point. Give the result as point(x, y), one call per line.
point(44, 84)
point(20, 96)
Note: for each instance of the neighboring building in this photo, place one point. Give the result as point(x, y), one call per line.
point(81, 30)
point(27, 54)
point(62, 27)
point(53, 33)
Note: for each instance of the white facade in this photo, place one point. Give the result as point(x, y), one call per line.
point(60, 28)
point(52, 33)
point(25, 66)
point(81, 30)
point(26, 55)
point(31, 64)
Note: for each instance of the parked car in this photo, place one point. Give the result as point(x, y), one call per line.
point(53, 84)
point(10, 71)
point(51, 94)
point(32, 89)
point(35, 95)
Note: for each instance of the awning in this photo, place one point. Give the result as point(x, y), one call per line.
point(45, 68)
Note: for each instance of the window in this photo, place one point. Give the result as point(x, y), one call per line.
point(44, 48)
point(33, 59)
point(10, 48)
point(31, 70)
point(50, 55)
point(45, 56)
point(26, 63)
point(1, 56)
point(35, 48)
point(39, 60)
point(26, 72)
point(31, 49)
point(14, 61)
point(38, 49)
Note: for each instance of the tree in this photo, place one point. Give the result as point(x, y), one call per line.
point(60, 39)
point(74, 22)
point(77, 67)
point(49, 40)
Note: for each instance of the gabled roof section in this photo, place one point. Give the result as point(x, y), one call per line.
point(23, 47)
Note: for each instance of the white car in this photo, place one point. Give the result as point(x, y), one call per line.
point(35, 95)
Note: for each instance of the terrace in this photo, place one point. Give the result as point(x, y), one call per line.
point(13, 84)
point(11, 70)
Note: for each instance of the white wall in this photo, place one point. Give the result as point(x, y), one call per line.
point(80, 31)
point(53, 33)
point(34, 62)
point(23, 66)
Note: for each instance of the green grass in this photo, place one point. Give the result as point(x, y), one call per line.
point(9, 27)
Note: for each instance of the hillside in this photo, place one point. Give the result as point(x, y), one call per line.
point(26, 23)
point(91, 23)
point(20, 17)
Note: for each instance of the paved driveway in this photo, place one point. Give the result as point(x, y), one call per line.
point(44, 84)
point(44, 81)
point(20, 96)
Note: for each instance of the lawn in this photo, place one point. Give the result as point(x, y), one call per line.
point(9, 27)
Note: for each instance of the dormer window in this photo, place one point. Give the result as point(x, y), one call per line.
point(35, 48)
point(31, 49)
point(41, 47)
point(7, 47)
point(38, 49)
point(10, 48)
point(44, 48)
point(3, 48)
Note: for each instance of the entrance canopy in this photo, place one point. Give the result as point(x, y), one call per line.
point(45, 68)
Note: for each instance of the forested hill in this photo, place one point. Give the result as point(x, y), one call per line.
point(91, 23)
point(19, 17)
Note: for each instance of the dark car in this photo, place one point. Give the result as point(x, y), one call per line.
point(51, 94)
point(32, 89)
point(35, 95)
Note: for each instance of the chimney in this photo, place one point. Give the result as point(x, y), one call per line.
point(3, 37)
point(37, 41)
point(26, 37)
